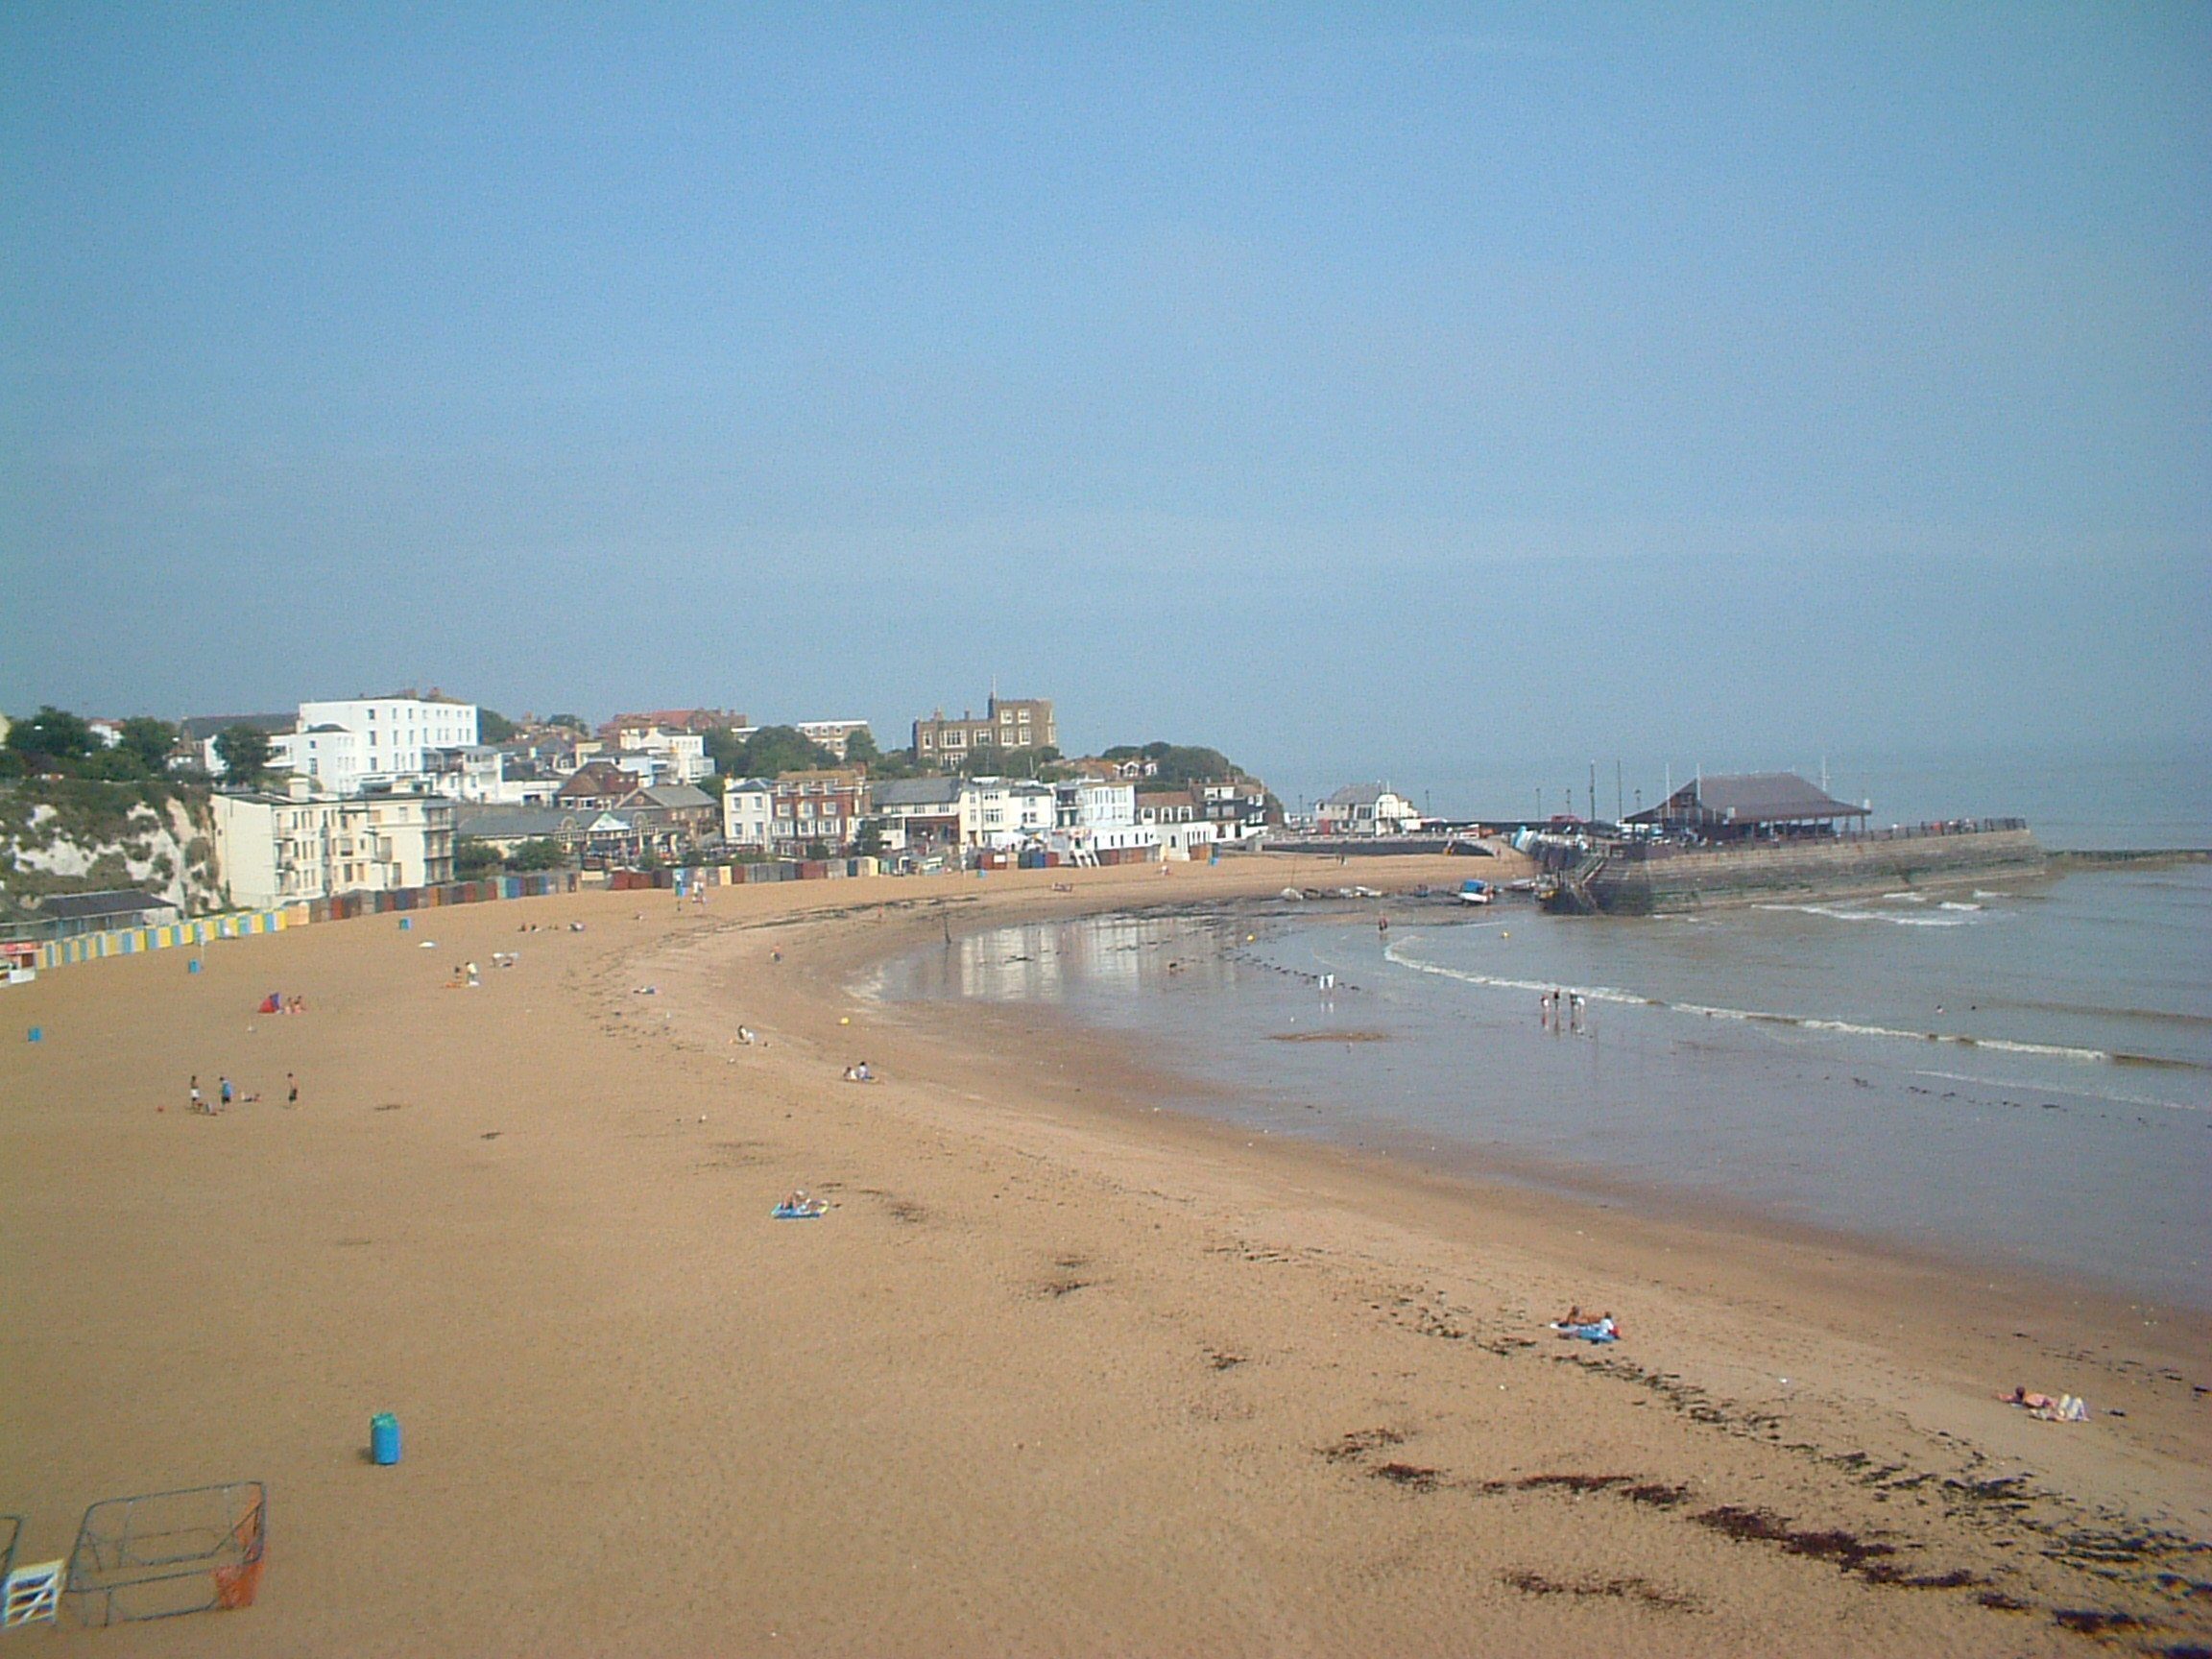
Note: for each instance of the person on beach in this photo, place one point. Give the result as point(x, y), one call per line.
point(223, 1089)
point(195, 1103)
point(291, 1090)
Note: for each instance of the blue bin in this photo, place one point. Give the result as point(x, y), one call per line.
point(37, 1034)
point(384, 1438)
point(193, 966)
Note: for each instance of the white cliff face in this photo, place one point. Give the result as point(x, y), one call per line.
point(69, 844)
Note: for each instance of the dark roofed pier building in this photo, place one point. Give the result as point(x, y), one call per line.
point(1743, 805)
point(1770, 836)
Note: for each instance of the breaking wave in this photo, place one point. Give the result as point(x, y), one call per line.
point(1951, 915)
point(1396, 953)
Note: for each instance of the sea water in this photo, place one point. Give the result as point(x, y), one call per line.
point(2019, 1072)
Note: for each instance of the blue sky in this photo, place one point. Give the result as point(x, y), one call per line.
point(1359, 390)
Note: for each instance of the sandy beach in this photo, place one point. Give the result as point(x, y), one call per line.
point(1057, 1372)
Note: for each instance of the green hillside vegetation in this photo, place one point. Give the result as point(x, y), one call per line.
point(55, 743)
point(1179, 765)
point(769, 752)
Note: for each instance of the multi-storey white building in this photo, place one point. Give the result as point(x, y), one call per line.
point(350, 744)
point(748, 814)
point(1096, 814)
point(680, 757)
point(1005, 813)
point(276, 849)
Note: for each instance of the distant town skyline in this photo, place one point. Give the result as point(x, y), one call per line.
point(1423, 393)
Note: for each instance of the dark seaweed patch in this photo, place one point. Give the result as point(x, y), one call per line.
point(1636, 1589)
point(2091, 1623)
point(1361, 1441)
point(1846, 1551)
point(1412, 1475)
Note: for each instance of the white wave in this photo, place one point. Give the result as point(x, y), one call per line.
point(1839, 915)
point(1905, 897)
point(1836, 914)
point(1955, 905)
point(1394, 954)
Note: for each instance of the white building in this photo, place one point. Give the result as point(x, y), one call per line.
point(1094, 815)
point(1366, 810)
point(680, 757)
point(477, 775)
point(276, 849)
point(748, 814)
point(357, 743)
point(1005, 814)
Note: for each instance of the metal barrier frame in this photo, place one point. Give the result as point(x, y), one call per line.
point(213, 1533)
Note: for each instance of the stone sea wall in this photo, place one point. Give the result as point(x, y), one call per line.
point(1850, 869)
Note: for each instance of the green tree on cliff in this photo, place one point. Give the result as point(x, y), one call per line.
point(244, 751)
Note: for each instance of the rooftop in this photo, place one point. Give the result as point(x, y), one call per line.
point(1748, 798)
point(113, 902)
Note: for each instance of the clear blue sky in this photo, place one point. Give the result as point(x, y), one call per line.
point(1360, 389)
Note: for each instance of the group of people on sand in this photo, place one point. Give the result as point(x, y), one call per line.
point(1560, 1010)
point(227, 1096)
point(860, 1073)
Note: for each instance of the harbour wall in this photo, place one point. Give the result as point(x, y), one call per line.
point(1694, 878)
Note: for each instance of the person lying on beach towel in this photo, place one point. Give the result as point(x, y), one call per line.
point(1601, 1330)
point(798, 1207)
point(2065, 1408)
